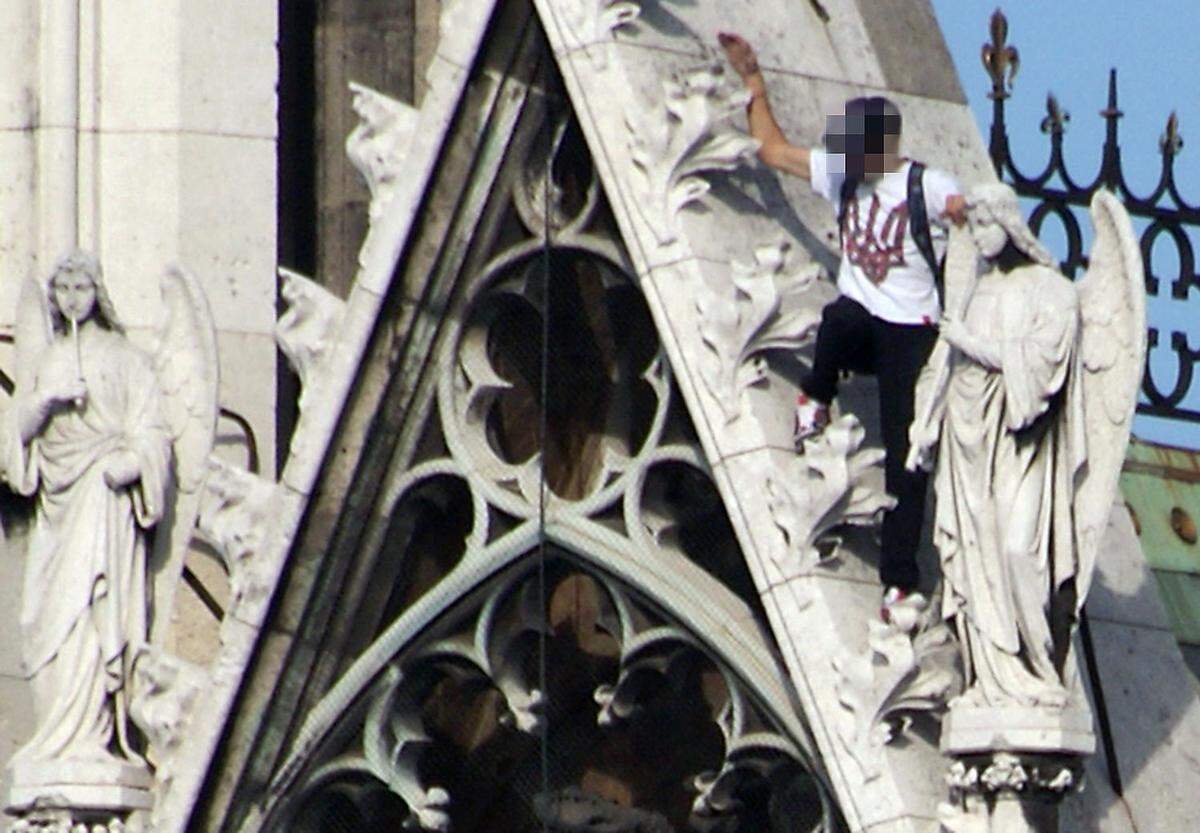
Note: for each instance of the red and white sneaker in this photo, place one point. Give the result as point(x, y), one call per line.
point(901, 608)
point(810, 419)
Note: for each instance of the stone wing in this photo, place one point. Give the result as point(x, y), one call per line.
point(31, 332)
point(1112, 355)
point(188, 375)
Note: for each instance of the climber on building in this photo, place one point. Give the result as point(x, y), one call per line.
point(892, 215)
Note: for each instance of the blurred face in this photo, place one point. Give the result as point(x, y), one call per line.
point(989, 235)
point(75, 295)
point(863, 146)
point(875, 162)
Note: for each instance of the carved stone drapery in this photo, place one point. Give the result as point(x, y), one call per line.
point(110, 443)
point(1034, 418)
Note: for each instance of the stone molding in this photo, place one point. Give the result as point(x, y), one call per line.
point(285, 505)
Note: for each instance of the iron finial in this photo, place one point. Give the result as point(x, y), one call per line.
point(999, 58)
point(1056, 117)
point(1171, 142)
point(1112, 111)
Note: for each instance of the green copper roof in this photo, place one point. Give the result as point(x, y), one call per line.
point(1180, 593)
point(1161, 486)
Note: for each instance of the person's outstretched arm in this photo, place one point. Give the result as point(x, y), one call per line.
point(774, 150)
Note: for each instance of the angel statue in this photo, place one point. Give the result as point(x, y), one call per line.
point(1029, 400)
point(107, 438)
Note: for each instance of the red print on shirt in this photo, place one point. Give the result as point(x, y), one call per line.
point(875, 256)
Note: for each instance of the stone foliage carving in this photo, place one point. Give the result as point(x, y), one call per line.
point(672, 150)
point(378, 144)
point(394, 736)
point(592, 22)
point(234, 514)
point(166, 691)
point(494, 649)
point(765, 306)
point(381, 152)
point(307, 329)
point(1018, 541)
point(827, 486)
point(607, 531)
point(99, 434)
point(912, 665)
point(649, 657)
point(976, 783)
point(607, 522)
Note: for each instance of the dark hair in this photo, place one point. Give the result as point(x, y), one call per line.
point(872, 117)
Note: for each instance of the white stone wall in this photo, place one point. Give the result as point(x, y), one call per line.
point(143, 130)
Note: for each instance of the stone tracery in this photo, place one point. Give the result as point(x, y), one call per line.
point(617, 474)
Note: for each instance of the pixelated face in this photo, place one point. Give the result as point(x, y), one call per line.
point(75, 294)
point(860, 141)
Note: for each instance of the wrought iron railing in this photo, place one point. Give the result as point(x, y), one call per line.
point(1164, 208)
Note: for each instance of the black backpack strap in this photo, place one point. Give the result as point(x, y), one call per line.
point(849, 188)
point(918, 222)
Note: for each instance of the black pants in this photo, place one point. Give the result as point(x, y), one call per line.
point(850, 338)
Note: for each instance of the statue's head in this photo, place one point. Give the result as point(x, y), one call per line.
point(76, 293)
point(866, 136)
point(995, 220)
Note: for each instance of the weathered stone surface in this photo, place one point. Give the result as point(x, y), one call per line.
point(818, 597)
point(1153, 715)
point(823, 611)
point(311, 441)
point(907, 42)
point(150, 138)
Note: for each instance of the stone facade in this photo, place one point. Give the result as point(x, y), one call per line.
point(146, 136)
point(539, 552)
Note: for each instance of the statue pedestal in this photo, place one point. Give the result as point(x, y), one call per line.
point(979, 729)
point(45, 795)
point(1012, 766)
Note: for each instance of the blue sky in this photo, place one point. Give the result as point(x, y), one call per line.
point(1067, 47)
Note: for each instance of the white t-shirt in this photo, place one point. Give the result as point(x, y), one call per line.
point(882, 268)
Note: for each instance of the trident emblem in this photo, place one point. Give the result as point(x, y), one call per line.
point(875, 255)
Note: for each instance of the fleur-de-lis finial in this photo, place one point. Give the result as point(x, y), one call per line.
point(999, 58)
point(1056, 117)
point(1171, 142)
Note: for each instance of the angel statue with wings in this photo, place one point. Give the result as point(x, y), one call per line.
point(107, 438)
point(1028, 399)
